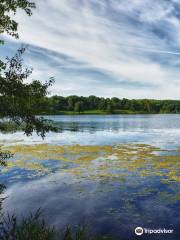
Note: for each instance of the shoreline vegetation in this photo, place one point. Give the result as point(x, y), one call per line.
point(74, 105)
point(34, 227)
point(96, 112)
point(92, 105)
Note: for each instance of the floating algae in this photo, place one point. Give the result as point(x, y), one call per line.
point(131, 180)
point(99, 162)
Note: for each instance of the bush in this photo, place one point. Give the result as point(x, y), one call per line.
point(35, 228)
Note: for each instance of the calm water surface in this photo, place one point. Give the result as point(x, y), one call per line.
point(113, 173)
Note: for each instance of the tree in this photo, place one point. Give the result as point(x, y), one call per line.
point(7, 9)
point(102, 104)
point(146, 105)
point(70, 104)
point(19, 99)
point(115, 102)
point(78, 107)
point(109, 108)
point(93, 102)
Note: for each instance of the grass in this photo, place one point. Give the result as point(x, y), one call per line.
point(34, 227)
point(31, 228)
point(94, 112)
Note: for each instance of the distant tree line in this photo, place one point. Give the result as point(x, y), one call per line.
point(80, 104)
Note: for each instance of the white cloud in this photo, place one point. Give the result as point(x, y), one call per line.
point(101, 35)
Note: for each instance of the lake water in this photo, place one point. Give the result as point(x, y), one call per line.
point(111, 173)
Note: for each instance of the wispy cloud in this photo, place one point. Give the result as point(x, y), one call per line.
point(106, 47)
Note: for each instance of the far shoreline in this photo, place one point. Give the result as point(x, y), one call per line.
point(118, 112)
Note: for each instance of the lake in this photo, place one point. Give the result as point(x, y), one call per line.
point(112, 173)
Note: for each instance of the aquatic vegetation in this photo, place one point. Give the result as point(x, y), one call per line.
point(132, 173)
point(117, 162)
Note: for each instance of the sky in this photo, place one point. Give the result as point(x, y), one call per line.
point(121, 48)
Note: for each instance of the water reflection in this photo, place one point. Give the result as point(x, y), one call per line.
point(111, 188)
point(157, 130)
point(111, 172)
point(109, 207)
point(114, 122)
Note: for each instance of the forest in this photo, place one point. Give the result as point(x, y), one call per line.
point(100, 105)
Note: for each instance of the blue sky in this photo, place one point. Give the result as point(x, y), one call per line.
point(122, 48)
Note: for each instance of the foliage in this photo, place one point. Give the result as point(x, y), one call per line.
point(2, 188)
point(8, 8)
point(78, 107)
point(35, 228)
point(31, 228)
point(3, 157)
point(80, 234)
point(80, 104)
point(19, 99)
